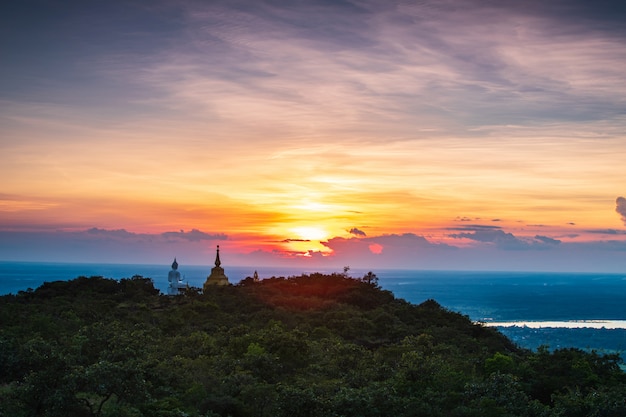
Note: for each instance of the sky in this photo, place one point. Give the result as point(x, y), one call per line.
point(469, 135)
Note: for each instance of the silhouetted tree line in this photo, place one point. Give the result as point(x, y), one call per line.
point(313, 345)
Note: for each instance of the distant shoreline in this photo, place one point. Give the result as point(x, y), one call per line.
point(569, 324)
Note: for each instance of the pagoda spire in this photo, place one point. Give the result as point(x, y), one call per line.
point(217, 257)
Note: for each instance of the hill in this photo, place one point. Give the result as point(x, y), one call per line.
point(314, 345)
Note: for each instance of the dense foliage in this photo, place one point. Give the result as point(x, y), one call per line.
point(315, 345)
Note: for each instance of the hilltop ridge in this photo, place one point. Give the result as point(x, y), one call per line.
point(313, 345)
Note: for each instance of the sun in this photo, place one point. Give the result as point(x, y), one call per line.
point(310, 233)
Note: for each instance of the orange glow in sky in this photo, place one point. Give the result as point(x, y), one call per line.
point(490, 136)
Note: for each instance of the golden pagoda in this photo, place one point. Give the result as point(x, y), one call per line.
point(217, 276)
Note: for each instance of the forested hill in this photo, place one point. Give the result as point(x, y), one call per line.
point(315, 345)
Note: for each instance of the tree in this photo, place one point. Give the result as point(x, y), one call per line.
point(370, 278)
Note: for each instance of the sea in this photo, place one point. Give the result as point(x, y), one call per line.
point(556, 310)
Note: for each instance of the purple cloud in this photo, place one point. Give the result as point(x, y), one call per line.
point(194, 235)
point(357, 232)
point(507, 241)
point(498, 237)
point(547, 240)
point(118, 234)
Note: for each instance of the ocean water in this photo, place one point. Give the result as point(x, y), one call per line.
point(516, 296)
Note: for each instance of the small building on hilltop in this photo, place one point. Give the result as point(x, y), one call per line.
point(217, 276)
point(177, 284)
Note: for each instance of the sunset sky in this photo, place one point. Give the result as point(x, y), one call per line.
point(377, 133)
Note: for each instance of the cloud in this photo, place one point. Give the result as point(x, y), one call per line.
point(406, 251)
point(194, 235)
point(607, 231)
point(357, 232)
point(620, 208)
point(463, 219)
point(391, 250)
point(474, 228)
point(498, 237)
point(506, 241)
point(389, 65)
point(547, 240)
point(116, 234)
point(111, 246)
point(375, 248)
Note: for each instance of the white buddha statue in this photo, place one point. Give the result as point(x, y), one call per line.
point(176, 282)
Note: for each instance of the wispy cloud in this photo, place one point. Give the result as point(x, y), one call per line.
point(381, 66)
point(606, 231)
point(621, 208)
point(475, 227)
